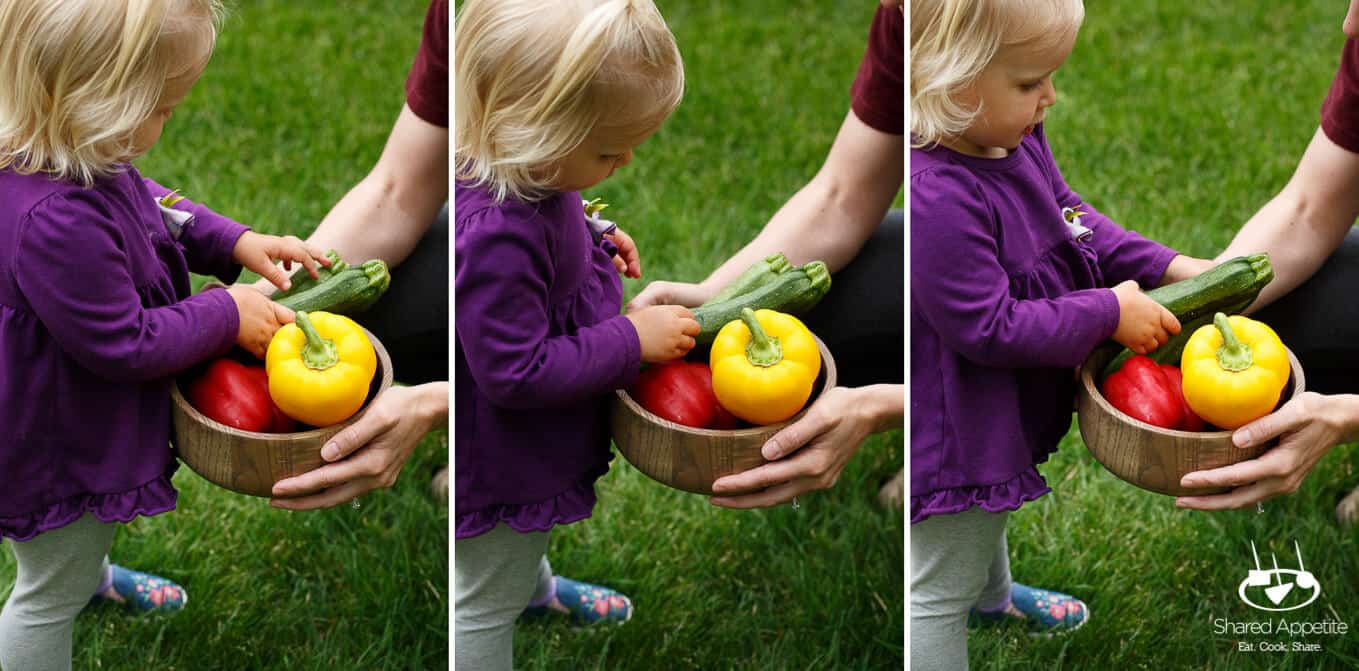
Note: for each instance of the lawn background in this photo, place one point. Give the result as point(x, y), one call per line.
point(767, 86)
point(1180, 120)
point(293, 110)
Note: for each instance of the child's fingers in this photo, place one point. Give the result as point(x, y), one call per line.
point(1168, 320)
point(266, 268)
point(620, 265)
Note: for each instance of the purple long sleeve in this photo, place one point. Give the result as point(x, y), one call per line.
point(504, 279)
point(1121, 254)
point(208, 240)
point(960, 288)
point(539, 345)
point(72, 268)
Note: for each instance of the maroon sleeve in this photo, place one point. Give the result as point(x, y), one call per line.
point(427, 84)
point(1340, 111)
point(878, 92)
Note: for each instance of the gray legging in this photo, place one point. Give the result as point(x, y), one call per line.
point(1319, 321)
point(958, 561)
point(496, 575)
point(59, 570)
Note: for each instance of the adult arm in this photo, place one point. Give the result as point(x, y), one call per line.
point(387, 212)
point(383, 216)
point(1299, 228)
point(829, 218)
point(1305, 222)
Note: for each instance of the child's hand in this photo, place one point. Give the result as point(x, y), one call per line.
point(628, 261)
point(1143, 324)
point(258, 252)
point(260, 318)
point(666, 331)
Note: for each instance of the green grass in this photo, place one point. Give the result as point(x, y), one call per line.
point(293, 110)
point(818, 588)
point(1180, 119)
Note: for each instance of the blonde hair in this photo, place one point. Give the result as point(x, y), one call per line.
point(534, 78)
point(952, 41)
point(78, 77)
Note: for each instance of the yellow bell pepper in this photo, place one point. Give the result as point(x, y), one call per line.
point(320, 368)
point(764, 365)
point(1234, 370)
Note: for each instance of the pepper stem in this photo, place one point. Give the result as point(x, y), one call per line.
point(764, 350)
point(1234, 355)
point(318, 353)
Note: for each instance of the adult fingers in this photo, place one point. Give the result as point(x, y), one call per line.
point(1237, 498)
point(1261, 430)
point(363, 465)
point(1272, 464)
point(759, 478)
point(773, 496)
point(793, 437)
point(328, 498)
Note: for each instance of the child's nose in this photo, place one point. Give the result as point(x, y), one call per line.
point(1049, 94)
point(624, 160)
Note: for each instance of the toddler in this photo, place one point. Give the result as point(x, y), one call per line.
point(96, 316)
point(550, 99)
point(1010, 291)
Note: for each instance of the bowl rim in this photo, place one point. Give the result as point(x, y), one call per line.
point(384, 382)
point(827, 365)
point(1296, 377)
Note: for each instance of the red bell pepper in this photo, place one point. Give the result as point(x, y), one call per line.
point(1191, 421)
point(237, 395)
point(682, 392)
point(1142, 391)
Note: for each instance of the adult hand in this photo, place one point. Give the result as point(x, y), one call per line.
point(820, 444)
point(1308, 426)
point(369, 453)
point(670, 293)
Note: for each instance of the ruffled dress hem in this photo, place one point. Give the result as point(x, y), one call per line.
point(150, 498)
point(1008, 495)
point(572, 505)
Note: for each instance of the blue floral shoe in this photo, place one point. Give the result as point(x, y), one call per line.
point(585, 603)
point(1046, 613)
point(141, 592)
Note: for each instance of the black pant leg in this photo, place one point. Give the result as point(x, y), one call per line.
point(1319, 321)
point(411, 319)
point(862, 318)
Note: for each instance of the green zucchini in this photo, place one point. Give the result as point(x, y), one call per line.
point(1228, 287)
point(762, 272)
point(795, 291)
point(302, 280)
point(348, 291)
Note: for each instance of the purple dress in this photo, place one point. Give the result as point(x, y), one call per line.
point(539, 346)
point(1006, 300)
point(95, 320)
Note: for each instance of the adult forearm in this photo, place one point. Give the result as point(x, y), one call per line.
point(376, 219)
point(816, 223)
point(1297, 235)
point(888, 403)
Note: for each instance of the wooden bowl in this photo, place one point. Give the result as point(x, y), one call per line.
point(249, 462)
point(1149, 456)
point(688, 458)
